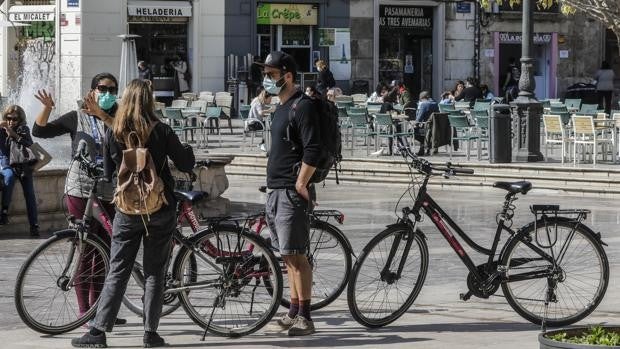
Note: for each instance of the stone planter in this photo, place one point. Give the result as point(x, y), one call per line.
point(546, 343)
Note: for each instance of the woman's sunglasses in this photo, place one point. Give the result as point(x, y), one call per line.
point(103, 89)
point(12, 119)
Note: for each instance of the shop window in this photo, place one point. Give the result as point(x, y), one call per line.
point(295, 36)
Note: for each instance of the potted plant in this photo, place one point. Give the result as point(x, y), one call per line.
point(607, 337)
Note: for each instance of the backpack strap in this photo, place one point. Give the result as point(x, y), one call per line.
point(291, 116)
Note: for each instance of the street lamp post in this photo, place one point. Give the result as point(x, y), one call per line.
point(527, 110)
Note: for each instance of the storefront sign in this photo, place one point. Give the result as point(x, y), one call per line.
point(31, 13)
point(516, 38)
point(39, 30)
point(166, 9)
point(286, 14)
point(463, 7)
point(405, 17)
point(327, 36)
point(563, 53)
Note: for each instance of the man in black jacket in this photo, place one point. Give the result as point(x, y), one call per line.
point(292, 161)
point(470, 93)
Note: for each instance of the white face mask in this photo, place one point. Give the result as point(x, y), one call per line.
point(272, 86)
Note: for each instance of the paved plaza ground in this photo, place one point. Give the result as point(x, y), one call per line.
point(438, 318)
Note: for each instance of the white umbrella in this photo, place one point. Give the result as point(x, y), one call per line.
point(129, 61)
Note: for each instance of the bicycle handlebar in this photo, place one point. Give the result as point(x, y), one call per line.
point(427, 168)
point(81, 155)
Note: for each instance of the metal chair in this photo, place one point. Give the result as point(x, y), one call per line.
point(224, 101)
point(574, 103)
point(359, 98)
point(212, 117)
point(555, 134)
point(446, 107)
point(359, 127)
point(461, 124)
point(588, 108)
point(179, 103)
point(176, 120)
point(586, 134)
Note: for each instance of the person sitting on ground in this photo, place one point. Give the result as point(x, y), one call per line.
point(259, 108)
point(470, 93)
point(447, 98)
point(14, 131)
point(311, 91)
point(426, 107)
point(486, 94)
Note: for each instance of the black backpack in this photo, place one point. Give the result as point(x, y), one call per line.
point(331, 138)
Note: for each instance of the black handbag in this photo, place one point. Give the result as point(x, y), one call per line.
point(21, 155)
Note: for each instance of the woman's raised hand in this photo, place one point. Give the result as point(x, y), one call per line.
point(45, 98)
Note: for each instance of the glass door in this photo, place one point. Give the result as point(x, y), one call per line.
point(297, 41)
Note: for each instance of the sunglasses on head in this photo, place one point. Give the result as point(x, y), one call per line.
point(103, 89)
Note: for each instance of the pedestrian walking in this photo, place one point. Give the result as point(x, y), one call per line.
point(136, 118)
point(605, 86)
point(290, 197)
point(87, 123)
point(326, 79)
point(182, 76)
point(144, 71)
point(15, 134)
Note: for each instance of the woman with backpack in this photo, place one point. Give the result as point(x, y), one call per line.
point(137, 133)
point(14, 133)
point(89, 122)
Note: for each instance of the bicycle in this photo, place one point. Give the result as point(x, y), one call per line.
point(552, 271)
point(329, 251)
point(232, 266)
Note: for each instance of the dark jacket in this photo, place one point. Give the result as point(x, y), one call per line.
point(325, 81)
point(163, 143)
point(145, 74)
point(284, 156)
point(24, 138)
point(469, 94)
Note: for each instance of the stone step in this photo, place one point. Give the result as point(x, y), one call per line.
point(482, 177)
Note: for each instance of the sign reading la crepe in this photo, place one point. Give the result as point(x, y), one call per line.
point(286, 14)
point(406, 17)
point(160, 11)
point(516, 38)
point(31, 16)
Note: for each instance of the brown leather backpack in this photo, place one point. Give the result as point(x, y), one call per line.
point(139, 191)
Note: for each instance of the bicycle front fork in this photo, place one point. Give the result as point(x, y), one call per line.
point(387, 275)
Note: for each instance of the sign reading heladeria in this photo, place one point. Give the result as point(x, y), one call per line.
point(160, 11)
point(406, 17)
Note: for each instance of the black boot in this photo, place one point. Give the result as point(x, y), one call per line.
point(421, 151)
point(90, 341)
point(4, 217)
point(153, 340)
point(34, 230)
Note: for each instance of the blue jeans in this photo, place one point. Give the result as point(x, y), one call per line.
point(28, 188)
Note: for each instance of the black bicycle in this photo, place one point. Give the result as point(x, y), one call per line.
point(552, 271)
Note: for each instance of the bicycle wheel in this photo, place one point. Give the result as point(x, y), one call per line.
point(580, 273)
point(330, 257)
point(225, 290)
point(46, 298)
point(376, 295)
point(134, 294)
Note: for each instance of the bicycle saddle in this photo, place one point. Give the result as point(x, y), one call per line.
point(191, 196)
point(514, 187)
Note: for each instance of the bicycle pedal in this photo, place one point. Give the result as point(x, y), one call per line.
point(465, 296)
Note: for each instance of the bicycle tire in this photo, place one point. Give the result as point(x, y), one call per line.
point(589, 245)
point(326, 291)
point(358, 305)
point(25, 303)
point(231, 289)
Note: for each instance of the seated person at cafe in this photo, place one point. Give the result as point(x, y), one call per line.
point(470, 93)
point(426, 107)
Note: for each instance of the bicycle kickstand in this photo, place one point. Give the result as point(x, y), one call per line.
point(204, 334)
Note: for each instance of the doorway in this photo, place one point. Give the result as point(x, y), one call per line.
point(296, 40)
point(542, 67)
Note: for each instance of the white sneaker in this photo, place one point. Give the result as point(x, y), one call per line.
point(301, 327)
point(377, 153)
point(285, 322)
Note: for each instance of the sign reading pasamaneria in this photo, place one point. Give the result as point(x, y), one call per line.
point(287, 14)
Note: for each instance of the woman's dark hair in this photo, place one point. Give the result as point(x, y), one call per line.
point(381, 87)
point(313, 90)
point(101, 76)
point(605, 65)
point(15, 110)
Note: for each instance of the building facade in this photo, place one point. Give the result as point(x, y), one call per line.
point(426, 44)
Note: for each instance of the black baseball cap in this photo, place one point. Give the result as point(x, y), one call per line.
point(280, 60)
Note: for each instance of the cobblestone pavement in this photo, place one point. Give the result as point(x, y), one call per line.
point(438, 318)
